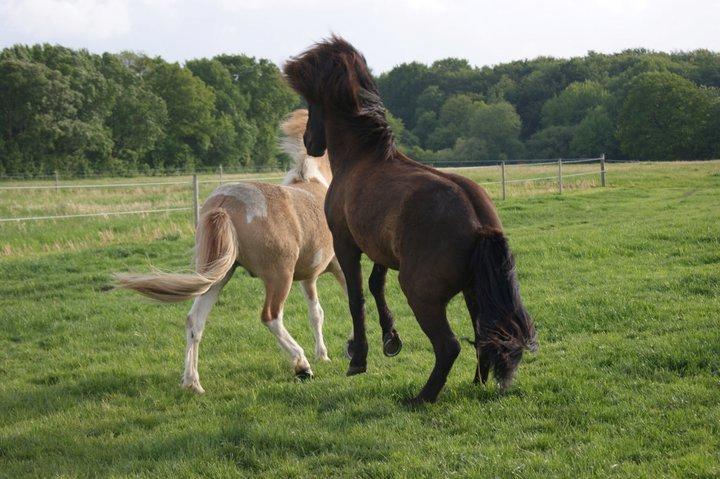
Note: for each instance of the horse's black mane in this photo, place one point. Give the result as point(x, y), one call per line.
point(334, 74)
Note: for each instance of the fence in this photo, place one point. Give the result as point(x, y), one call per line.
point(195, 182)
point(503, 182)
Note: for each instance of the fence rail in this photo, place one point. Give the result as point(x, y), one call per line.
point(194, 184)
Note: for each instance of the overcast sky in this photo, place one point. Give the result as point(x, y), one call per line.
point(388, 32)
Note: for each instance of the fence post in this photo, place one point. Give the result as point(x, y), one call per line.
point(57, 181)
point(221, 175)
point(196, 199)
point(560, 183)
point(602, 170)
point(502, 170)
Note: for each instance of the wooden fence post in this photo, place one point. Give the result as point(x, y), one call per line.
point(196, 199)
point(502, 170)
point(57, 181)
point(560, 183)
point(602, 170)
point(221, 175)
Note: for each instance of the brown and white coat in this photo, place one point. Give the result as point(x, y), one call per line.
point(278, 233)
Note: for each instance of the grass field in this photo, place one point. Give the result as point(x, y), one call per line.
point(623, 282)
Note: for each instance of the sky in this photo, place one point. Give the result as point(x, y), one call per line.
point(388, 32)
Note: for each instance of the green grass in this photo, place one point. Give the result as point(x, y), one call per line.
point(623, 282)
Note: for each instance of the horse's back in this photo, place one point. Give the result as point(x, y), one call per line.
point(400, 211)
point(278, 227)
point(436, 228)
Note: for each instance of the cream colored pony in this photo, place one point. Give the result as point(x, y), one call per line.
point(278, 233)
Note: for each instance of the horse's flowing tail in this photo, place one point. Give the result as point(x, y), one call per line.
point(503, 328)
point(215, 253)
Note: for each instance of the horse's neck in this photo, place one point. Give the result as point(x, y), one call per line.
point(346, 149)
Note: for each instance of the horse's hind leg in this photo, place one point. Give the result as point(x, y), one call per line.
point(316, 316)
point(276, 292)
point(434, 323)
point(391, 340)
point(194, 327)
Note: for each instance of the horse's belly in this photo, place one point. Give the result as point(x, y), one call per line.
point(313, 263)
point(377, 247)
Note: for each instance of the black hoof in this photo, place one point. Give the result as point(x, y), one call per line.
point(353, 370)
point(303, 375)
point(392, 344)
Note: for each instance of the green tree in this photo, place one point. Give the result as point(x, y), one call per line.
point(573, 104)
point(431, 99)
point(426, 124)
point(36, 104)
point(551, 142)
point(595, 135)
point(137, 121)
point(711, 133)
point(228, 147)
point(190, 106)
point(400, 88)
point(269, 100)
point(662, 118)
point(498, 126)
point(470, 150)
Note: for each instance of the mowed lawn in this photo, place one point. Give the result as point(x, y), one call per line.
point(623, 283)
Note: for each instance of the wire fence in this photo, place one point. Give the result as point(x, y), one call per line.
point(137, 184)
point(195, 182)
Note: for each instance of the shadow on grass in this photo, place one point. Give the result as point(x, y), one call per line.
point(58, 393)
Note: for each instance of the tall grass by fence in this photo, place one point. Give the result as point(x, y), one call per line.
point(504, 170)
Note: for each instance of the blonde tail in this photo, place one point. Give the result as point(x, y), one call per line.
point(215, 254)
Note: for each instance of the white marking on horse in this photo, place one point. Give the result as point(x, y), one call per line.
point(250, 195)
point(288, 344)
point(316, 316)
point(312, 171)
point(306, 170)
point(317, 258)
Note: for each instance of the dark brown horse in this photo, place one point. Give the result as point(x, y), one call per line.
point(440, 230)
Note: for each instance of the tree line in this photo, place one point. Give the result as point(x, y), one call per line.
point(637, 104)
point(78, 112)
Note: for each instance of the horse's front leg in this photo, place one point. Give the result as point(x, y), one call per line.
point(390, 337)
point(316, 315)
point(348, 256)
point(276, 292)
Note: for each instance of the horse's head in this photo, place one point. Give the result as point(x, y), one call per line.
point(504, 328)
point(503, 351)
point(314, 136)
point(331, 75)
point(336, 83)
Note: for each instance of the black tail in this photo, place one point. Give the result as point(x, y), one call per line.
point(503, 328)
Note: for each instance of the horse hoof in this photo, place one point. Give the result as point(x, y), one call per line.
point(194, 387)
point(353, 370)
point(392, 344)
point(304, 375)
